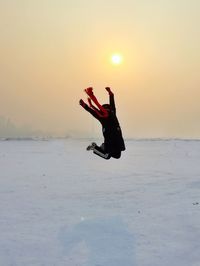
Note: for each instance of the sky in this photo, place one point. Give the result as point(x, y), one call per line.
point(50, 51)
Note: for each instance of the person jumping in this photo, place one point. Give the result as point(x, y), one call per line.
point(113, 143)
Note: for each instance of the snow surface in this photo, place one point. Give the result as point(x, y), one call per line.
point(61, 205)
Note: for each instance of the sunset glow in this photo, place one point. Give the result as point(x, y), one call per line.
point(51, 52)
point(116, 59)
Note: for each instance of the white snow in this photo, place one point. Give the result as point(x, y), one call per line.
point(62, 205)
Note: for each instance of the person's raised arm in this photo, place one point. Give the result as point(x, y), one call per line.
point(91, 105)
point(90, 93)
point(111, 98)
point(87, 108)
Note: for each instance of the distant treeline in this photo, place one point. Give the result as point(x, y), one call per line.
point(8, 129)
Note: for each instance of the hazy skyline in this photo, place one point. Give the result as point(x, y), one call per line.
point(51, 50)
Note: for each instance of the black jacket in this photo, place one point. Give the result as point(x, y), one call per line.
point(112, 133)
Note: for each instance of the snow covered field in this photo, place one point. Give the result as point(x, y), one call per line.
point(61, 205)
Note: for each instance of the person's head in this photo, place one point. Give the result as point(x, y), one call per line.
point(106, 106)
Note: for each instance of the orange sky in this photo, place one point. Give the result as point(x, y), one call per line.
point(51, 50)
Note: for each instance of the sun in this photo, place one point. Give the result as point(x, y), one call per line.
point(116, 59)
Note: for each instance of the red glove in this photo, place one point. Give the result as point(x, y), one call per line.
point(82, 103)
point(89, 91)
point(109, 90)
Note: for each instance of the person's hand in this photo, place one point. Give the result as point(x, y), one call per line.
point(82, 103)
point(89, 91)
point(109, 90)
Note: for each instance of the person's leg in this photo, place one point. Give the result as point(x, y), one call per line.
point(91, 146)
point(116, 155)
point(101, 152)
